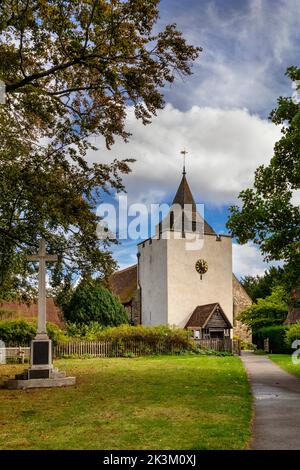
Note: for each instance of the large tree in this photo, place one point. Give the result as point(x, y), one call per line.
point(71, 67)
point(268, 215)
point(259, 287)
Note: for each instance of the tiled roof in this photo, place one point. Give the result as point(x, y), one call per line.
point(14, 310)
point(202, 314)
point(123, 283)
point(184, 196)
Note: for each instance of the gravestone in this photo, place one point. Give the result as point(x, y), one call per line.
point(41, 372)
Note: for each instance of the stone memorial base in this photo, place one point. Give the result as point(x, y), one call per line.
point(41, 373)
point(25, 380)
point(14, 384)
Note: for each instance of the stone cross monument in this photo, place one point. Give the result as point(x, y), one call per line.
point(42, 257)
point(41, 346)
point(41, 372)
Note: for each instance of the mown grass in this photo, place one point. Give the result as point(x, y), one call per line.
point(166, 402)
point(286, 363)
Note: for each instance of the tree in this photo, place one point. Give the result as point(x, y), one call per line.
point(71, 67)
point(268, 216)
point(92, 302)
point(261, 286)
point(266, 312)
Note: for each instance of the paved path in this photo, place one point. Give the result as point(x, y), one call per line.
point(276, 404)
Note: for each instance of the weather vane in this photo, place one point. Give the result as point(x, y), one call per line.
point(184, 153)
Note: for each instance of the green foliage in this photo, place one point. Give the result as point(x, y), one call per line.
point(70, 69)
point(268, 216)
point(269, 311)
point(259, 287)
point(260, 352)
point(211, 352)
point(22, 332)
point(246, 346)
point(276, 335)
point(14, 332)
point(292, 333)
point(88, 332)
point(150, 338)
point(92, 302)
point(55, 333)
point(148, 334)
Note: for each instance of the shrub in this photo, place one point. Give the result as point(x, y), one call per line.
point(14, 332)
point(247, 346)
point(22, 332)
point(150, 338)
point(92, 302)
point(276, 335)
point(150, 335)
point(292, 333)
point(266, 312)
point(88, 332)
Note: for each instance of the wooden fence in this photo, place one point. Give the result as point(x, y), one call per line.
point(136, 348)
point(226, 344)
point(110, 349)
point(20, 353)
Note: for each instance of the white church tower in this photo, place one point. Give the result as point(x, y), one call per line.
point(186, 287)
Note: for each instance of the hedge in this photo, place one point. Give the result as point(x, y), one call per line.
point(292, 333)
point(149, 335)
point(277, 338)
point(20, 332)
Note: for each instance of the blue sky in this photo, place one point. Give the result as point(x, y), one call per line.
point(219, 114)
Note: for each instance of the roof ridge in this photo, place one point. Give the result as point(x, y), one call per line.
point(124, 269)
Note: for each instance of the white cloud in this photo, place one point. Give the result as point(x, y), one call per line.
point(225, 147)
point(248, 261)
point(246, 49)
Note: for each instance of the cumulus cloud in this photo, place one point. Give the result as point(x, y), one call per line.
point(248, 261)
point(218, 114)
point(224, 148)
point(246, 48)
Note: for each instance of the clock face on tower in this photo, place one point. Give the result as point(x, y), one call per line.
point(201, 266)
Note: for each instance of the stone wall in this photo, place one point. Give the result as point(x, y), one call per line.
point(241, 301)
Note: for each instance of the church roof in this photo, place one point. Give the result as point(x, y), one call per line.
point(184, 196)
point(202, 314)
point(123, 283)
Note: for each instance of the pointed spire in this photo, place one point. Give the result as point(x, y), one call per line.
point(184, 194)
point(184, 197)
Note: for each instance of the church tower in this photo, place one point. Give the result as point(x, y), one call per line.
point(181, 282)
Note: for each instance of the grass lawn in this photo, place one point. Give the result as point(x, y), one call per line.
point(165, 402)
point(285, 362)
